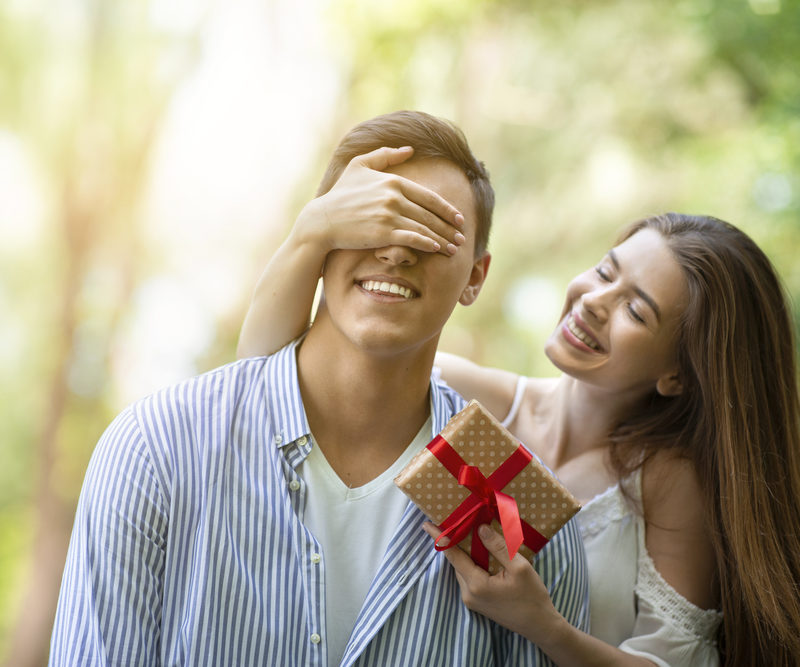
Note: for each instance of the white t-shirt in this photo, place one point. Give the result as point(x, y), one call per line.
point(353, 527)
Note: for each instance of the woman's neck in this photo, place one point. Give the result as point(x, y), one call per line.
point(581, 417)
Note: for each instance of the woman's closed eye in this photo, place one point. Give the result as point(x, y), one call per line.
point(634, 314)
point(602, 273)
point(605, 274)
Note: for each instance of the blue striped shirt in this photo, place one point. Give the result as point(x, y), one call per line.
point(189, 546)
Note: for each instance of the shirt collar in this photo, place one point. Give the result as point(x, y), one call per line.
point(286, 411)
point(442, 407)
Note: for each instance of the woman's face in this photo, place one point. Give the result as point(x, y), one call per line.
point(621, 318)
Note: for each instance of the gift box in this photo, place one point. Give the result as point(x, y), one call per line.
point(476, 472)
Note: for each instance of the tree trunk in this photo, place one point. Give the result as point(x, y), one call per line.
point(54, 516)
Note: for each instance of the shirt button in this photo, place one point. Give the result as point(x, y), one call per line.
point(315, 638)
point(278, 439)
point(315, 557)
point(294, 485)
point(302, 440)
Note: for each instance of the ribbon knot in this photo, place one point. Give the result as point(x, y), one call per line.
point(485, 503)
point(472, 478)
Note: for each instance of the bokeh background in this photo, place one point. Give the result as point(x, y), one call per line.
point(153, 153)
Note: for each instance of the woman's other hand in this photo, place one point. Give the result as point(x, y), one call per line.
point(369, 207)
point(515, 597)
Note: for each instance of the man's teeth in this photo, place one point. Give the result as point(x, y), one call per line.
point(389, 288)
point(581, 334)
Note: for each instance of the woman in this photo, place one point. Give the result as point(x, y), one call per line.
point(675, 422)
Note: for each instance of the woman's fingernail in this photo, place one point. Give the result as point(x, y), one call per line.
point(436, 246)
point(451, 248)
point(484, 531)
point(459, 238)
point(459, 219)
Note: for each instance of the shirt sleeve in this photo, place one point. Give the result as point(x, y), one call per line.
point(109, 607)
point(562, 567)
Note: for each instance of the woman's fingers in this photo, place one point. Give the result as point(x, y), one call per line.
point(432, 530)
point(466, 570)
point(495, 544)
point(402, 204)
point(433, 202)
point(383, 158)
point(408, 231)
point(425, 222)
point(433, 212)
point(461, 561)
point(493, 541)
point(515, 597)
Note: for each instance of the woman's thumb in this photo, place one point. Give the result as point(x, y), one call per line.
point(382, 158)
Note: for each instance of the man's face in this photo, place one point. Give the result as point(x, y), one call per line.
point(395, 299)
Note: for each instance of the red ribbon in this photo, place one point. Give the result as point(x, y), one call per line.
point(486, 503)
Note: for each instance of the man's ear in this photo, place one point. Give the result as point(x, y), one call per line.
point(479, 270)
point(669, 385)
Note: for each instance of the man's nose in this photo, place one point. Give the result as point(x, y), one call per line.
point(396, 254)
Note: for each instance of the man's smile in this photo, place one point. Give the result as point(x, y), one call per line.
point(387, 288)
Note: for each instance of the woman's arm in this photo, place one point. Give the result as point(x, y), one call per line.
point(493, 387)
point(677, 541)
point(368, 207)
point(676, 535)
point(517, 599)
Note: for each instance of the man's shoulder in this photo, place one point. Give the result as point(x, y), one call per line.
point(445, 403)
point(448, 398)
point(225, 383)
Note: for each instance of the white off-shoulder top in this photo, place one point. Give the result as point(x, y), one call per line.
point(631, 604)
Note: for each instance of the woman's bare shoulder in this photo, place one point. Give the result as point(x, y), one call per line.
point(677, 533)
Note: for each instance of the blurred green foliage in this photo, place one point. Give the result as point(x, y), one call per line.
point(588, 114)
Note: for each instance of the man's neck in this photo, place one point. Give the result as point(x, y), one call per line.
point(364, 409)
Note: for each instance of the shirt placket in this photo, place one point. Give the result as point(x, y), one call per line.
point(309, 552)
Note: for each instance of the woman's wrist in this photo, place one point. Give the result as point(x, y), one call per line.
point(550, 633)
point(310, 230)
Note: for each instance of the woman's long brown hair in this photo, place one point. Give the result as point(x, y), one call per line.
point(738, 421)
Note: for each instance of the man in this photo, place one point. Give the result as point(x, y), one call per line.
point(248, 516)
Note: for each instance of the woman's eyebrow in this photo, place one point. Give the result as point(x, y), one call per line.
point(644, 295)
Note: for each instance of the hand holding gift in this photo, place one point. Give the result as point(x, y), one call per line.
point(515, 597)
point(474, 472)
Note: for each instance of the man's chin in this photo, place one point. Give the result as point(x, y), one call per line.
point(389, 343)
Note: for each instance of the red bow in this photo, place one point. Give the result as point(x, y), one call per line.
point(486, 503)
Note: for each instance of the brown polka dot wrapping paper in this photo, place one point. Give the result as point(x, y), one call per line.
point(475, 435)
